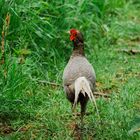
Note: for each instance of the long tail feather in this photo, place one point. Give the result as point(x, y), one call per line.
point(82, 86)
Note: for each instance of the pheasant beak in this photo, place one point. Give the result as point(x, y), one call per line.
point(68, 32)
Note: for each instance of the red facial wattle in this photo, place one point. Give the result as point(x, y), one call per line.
point(72, 37)
point(73, 34)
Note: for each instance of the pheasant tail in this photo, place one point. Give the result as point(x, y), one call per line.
point(82, 86)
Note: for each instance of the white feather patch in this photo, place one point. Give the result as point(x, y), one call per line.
point(82, 86)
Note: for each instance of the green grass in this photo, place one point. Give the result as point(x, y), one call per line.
point(37, 49)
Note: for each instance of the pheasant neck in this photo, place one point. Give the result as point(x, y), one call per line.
point(78, 49)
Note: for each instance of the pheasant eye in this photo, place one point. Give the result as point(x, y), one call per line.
point(73, 34)
point(73, 31)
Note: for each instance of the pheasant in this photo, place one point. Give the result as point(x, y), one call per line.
point(79, 76)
